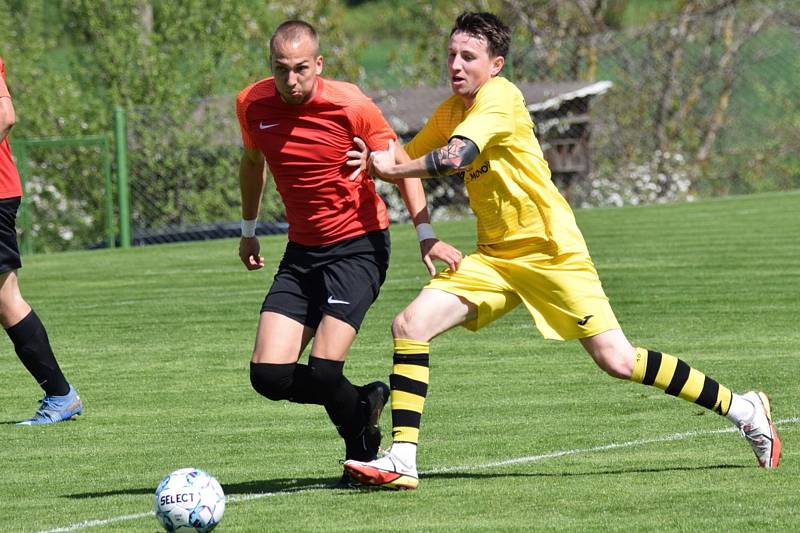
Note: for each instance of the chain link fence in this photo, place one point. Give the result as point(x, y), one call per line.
point(68, 197)
point(696, 106)
point(183, 170)
point(699, 107)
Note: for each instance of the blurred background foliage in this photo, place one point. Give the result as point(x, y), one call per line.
point(704, 100)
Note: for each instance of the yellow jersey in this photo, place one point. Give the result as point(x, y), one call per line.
point(509, 185)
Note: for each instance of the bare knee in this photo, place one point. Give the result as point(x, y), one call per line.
point(431, 313)
point(615, 363)
point(403, 327)
point(13, 308)
point(612, 353)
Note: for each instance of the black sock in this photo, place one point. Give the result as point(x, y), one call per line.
point(279, 381)
point(33, 348)
point(303, 390)
point(340, 397)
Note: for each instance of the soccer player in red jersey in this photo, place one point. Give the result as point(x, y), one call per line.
point(304, 126)
point(26, 331)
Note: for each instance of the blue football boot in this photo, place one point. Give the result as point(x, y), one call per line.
point(56, 409)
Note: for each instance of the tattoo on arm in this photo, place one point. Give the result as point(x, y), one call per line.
point(458, 153)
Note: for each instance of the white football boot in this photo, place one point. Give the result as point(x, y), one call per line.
point(388, 472)
point(760, 432)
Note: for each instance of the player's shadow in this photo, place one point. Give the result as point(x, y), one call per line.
point(247, 487)
point(15, 422)
point(303, 484)
point(608, 472)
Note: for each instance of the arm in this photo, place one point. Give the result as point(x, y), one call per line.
point(414, 197)
point(412, 192)
point(251, 185)
point(458, 154)
point(7, 115)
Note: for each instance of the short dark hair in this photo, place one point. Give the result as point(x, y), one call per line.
point(292, 30)
point(486, 26)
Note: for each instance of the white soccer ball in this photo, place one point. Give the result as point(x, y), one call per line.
point(189, 499)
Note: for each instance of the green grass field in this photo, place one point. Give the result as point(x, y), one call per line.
point(519, 433)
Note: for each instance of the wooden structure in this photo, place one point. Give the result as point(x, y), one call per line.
point(560, 113)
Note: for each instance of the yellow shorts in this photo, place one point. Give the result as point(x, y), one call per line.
point(563, 292)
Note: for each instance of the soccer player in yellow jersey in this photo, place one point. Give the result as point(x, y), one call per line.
point(530, 251)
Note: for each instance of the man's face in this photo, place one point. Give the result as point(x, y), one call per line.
point(470, 65)
point(295, 66)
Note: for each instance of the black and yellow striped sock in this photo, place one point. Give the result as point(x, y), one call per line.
point(409, 383)
point(676, 378)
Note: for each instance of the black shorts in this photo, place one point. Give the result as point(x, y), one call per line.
point(9, 250)
point(340, 279)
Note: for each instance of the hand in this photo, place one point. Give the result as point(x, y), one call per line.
point(358, 158)
point(249, 249)
point(435, 249)
point(381, 162)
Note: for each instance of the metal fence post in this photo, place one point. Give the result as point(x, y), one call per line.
point(108, 197)
point(122, 178)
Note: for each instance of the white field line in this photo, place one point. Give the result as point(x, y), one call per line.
point(465, 468)
point(578, 451)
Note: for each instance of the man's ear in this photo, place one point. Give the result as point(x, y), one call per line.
point(497, 65)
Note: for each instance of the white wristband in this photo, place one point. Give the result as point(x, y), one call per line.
point(249, 227)
point(425, 231)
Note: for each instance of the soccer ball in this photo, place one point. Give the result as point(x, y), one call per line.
point(189, 499)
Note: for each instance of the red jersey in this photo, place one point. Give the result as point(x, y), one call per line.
point(305, 147)
point(10, 185)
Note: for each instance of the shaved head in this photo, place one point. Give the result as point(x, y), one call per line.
point(294, 33)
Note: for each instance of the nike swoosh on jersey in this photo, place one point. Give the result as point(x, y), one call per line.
point(332, 300)
point(263, 126)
